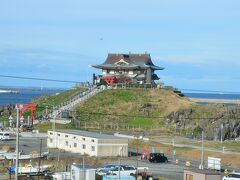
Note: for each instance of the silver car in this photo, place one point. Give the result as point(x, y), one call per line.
point(232, 176)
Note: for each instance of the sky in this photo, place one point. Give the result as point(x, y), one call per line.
point(197, 41)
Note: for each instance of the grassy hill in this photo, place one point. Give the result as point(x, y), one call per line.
point(53, 100)
point(145, 107)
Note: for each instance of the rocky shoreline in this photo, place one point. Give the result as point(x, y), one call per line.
point(213, 119)
point(218, 101)
point(7, 110)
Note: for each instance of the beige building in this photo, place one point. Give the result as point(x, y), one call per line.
point(90, 143)
point(197, 174)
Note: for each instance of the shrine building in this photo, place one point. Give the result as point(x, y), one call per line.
point(128, 68)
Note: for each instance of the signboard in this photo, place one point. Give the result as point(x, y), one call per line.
point(214, 163)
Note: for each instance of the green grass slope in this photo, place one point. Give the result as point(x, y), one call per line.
point(48, 102)
point(144, 107)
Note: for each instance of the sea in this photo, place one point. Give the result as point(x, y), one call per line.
point(213, 95)
point(22, 95)
point(25, 95)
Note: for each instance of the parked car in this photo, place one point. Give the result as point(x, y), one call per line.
point(232, 176)
point(104, 169)
point(26, 128)
point(157, 157)
point(124, 170)
point(4, 136)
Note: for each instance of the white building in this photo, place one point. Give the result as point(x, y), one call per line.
point(90, 143)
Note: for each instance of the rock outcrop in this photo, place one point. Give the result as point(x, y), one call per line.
point(7, 110)
point(213, 119)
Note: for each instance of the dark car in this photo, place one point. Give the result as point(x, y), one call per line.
point(26, 128)
point(157, 157)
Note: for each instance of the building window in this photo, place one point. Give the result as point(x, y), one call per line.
point(93, 148)
point(58, 134)
point(51, 140)
point(74, 137)
point(84, 146)
point(75, 145)
point(51, 133)
point(66, 136)
point(83, 139)
point(66, 143)
point(93, 140)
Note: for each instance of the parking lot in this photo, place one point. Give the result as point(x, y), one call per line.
point(167, 170)
point(27, 144)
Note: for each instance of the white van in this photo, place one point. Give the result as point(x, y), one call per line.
point(4, 135)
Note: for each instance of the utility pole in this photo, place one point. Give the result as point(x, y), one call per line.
point(46, 110)
point(119, 166)
point(17, 143)
point(173, 151)
point(202, 158)
point(221, 130)
point(137, 154)
point(54, 120)
point(39, 161)
point(83, 168)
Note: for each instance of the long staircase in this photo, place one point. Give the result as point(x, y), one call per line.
point(74, 101)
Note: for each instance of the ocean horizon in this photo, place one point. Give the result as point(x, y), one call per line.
point(21, 95)
point(228, 96)
point(26, 94)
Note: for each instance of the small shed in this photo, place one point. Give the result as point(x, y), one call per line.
point(78, 172)
point(198, 174)
point(116, 177)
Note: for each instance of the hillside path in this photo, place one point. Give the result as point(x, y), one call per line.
point(76, 100)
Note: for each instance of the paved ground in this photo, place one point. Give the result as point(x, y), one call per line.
point(167, 170)
point(170, 171)
point(27, 144)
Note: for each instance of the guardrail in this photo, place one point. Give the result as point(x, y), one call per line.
point(76, 100)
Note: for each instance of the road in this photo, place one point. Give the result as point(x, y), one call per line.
point(27, 144)
point(169, 170)
point(194, 147)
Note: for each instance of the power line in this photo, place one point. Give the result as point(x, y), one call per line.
point(38, 79)
point(154, 117)
point(68, 81)
point(141, 116)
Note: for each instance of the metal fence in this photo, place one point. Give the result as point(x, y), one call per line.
point(109, 126)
